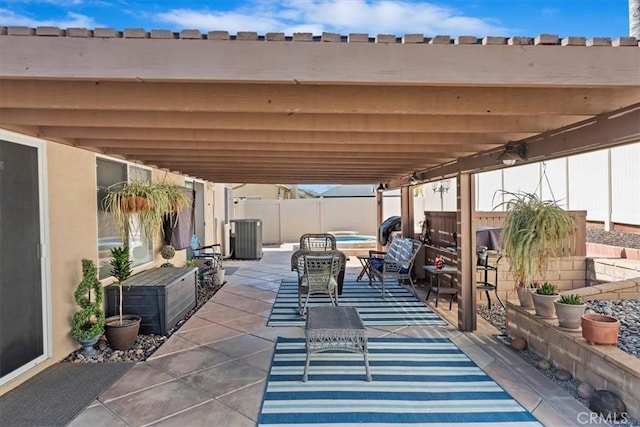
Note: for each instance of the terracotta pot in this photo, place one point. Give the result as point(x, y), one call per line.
point(600, 329)
point(544, 305)
point(122, 336)
point(569, 316)
point(524, 296)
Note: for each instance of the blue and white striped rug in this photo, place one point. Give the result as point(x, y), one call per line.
point(399, 307)
point(416, 382)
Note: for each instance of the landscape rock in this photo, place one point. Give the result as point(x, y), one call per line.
point(544, 365)
point(563, 375)
point(585, 390)
point(607, 404)
point(519, 343)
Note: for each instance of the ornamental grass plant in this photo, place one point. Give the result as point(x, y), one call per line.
point(534, 231)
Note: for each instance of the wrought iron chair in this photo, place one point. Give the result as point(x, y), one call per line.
point(317, 274)
point(208, 259)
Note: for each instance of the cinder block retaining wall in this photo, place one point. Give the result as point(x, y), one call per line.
point(602, 366)
point(567, 273)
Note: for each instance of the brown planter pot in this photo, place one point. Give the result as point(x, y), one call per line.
point(544, 305)
point(524, 296)
point(600, 329)
point(122, 336)
point(569, 316)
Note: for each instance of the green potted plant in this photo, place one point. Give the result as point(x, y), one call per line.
point(543, 299)
point(121, 330)
point(569, 309)
point(147, 202)
point(167, 252)
point(534, 230)
point(88, 323)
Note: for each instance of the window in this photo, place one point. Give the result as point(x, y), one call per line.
point(110, 172)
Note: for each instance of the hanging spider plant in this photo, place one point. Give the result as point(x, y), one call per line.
point(141, 206)
point(534, 230)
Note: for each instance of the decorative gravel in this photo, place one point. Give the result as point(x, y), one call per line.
point(613, 238)
point(145, 345)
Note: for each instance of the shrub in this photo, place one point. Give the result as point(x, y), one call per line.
point(89, 321)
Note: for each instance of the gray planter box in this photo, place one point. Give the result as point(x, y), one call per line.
point(161, 296)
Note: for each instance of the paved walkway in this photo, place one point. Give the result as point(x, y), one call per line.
point(213, 370)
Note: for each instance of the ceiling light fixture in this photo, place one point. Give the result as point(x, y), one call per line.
point(513, 154)
point(381, 188)
point(414, 178)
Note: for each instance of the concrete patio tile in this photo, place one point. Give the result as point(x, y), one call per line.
point(261, 360)
point(241, 346)
point(527, 396)
point(551, 416)
point(220, 313)
point(247, 323)
point(141, 376)
point(188, 361)
point(195, 322)
point(157, 403)
point(174, 344)
point(208, 413)
point(225, 378)
point(246, 401)
point(209, 334)
point(97, 416)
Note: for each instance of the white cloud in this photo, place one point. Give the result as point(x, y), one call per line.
point(337, 16)
point(71, 20)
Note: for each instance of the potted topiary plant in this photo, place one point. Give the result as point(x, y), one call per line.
point(533, 232)
point(88, 323)
point(167, 252)
point(543, 299)
point(121, 330)
point(569, 309)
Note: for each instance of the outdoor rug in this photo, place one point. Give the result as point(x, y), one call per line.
point(416, 381)
point(58, 394)
point(399, 307)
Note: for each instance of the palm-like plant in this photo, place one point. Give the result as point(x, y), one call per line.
point(121, 270)
point(533, 232)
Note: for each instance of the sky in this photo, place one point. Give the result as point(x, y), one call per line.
point(588, 18)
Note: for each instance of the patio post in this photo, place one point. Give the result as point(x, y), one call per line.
point(379, 212)
point(466, 252)
point(406, 211)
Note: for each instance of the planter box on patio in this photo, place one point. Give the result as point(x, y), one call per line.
point(161, 296)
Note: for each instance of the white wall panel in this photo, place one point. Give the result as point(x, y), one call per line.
point(488, 195)
point(300, 216)
point(554, 186)
point(588, 184)
point(354, 214)
point(266, 210)
point(625, 184)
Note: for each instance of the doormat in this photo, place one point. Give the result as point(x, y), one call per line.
point(58, 394)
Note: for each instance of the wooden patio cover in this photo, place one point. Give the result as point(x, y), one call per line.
point(318, 109)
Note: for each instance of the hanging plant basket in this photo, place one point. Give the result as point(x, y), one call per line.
point(148, 202)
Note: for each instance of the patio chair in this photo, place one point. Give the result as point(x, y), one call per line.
point(318, 242)
point(317, 274)
point(396, 263)
point(207, 258)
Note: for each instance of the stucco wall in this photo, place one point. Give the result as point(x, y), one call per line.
point(72, 220)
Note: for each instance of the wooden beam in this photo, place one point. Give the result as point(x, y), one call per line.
point(604, 131)
point(113, 135)
point(292, 122)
